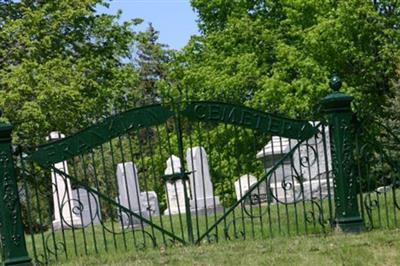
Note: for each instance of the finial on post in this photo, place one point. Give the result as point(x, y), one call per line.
point(335, 83)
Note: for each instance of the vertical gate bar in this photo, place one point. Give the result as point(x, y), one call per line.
point(222, 185)
point(11, 227)
point(285, 191)
point(86, 178)
point(232, 185)
point(269, 196)
point(153, 167)
point(170, 153)
point(175, 189)
point(310, 185)
point(211, 167)
point(194, 194)
point(199, 138)
point(337, 106)
point(146, 176)
point(85, 245)
point(118, 199)
point(69, 197)
point(319, 174)
point(393, 193)
point(385, 196)
point(160, 150)
point(252, 218)
point(369, 202)
point(303, 202)
point(278, 213)
point(98, 210)
point(378, 205)
point(121, 150)
point(46, 256)
point(238, 169)
point(360, 172)
point(255, 150)
point(178, 128)
point(108, 191)
point(328, 173)
point(296, 217)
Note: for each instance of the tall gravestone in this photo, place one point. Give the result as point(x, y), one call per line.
point(175, 190)
point(200, 181)
point(149, 201)
point(64, 215)
point(129, 193)
point(87, 206)
point(243, 184)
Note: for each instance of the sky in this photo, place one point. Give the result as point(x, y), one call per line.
point(174, 19)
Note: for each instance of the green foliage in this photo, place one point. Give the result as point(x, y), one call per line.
point(61, 65)
point(282, 52)
point(152, 62)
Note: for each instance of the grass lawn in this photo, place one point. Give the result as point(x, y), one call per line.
point(380, 247)
point(283, 235)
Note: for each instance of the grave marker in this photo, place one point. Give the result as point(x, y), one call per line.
point(200, 181)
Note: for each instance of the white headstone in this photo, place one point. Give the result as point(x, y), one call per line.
point(149, 201)
point(309, 160)
point(129, 192)
point(64, 217)
point(243, 184)
point(175, 190)
point(86, 206)
point(200, 180)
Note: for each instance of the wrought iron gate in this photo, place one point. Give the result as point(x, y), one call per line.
point(182, 173)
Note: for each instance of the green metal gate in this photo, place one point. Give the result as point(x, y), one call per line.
point(183, 173)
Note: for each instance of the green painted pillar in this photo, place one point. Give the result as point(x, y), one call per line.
point(337, 108)
point(11, 229)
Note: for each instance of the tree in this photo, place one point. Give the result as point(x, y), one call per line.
point(277, 55)
point(152, 59)
point(62, 65)
point(281, 53)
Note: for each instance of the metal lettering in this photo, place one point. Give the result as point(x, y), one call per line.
point(215, 112)
point(198, 112)
point(246, 118)
point(231, 117)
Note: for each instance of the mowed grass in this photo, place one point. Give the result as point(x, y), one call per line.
point(286, 224)
point(380, 247)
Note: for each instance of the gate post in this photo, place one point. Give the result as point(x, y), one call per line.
point(11, 228)
point(338, 110)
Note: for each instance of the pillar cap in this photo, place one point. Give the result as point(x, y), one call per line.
point(336, 100)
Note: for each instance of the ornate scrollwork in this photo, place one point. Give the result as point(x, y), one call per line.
point(291, 187)
point(76, 207)
point(236, 234)
point(56, 248)
point(316, 216)
point(10, 197)
point(369, 205)
point(307, 159)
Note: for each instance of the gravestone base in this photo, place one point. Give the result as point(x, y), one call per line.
point(205, 205)
point(174, 211)
point(67, 224)
point(312, 189)
point(130, 221)
point(149, 203)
